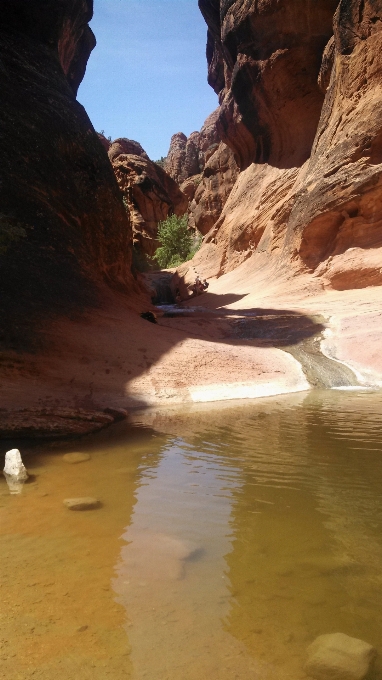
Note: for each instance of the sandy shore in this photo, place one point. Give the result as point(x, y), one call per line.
point(241, 339)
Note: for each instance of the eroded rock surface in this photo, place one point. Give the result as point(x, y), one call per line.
point(213, 188)
point(53, 422)
point(150, 194)
point(300, 111)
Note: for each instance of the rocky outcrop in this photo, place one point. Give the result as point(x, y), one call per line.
point(63, 227)
point(56, 422)
point(182, 160)
point(300, 110)
point(150, 194)
point(272, 52)
point(206, 169)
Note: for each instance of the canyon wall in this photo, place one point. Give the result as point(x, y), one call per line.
point(63, 226)
point(299, 90)
point(206, 170)
point(150, 194)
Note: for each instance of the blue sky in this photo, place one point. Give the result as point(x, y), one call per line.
point(147, 77)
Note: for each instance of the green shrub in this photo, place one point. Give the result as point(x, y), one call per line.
point(176, 242)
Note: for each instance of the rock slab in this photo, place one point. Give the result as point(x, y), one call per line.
point(337, 656)
point(86, 503)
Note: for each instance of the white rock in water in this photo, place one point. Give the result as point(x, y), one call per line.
point(339, 657)
point(14, 466)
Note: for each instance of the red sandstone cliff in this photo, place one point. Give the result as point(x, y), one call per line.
point(63, 226)
point(300, 110)
point(150, 193)
point(206, 170)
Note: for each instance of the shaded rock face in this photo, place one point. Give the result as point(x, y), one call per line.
point(301, 111)
point(63, 227)
point(150, 194)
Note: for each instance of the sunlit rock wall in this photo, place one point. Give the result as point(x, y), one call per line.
point(206, 170)
point(63, 226)
point(299, 90)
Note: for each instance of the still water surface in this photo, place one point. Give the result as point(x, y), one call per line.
point(228, 539)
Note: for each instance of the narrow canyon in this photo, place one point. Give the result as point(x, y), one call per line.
point(283, 181)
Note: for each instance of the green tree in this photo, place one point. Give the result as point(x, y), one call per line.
point(176, 242)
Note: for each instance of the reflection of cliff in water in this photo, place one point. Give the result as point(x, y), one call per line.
point(299, 473)
point(307, 552)
point(171, 572)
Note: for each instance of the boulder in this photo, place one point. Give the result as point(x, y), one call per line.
point(14, 467)
point(122, 145)
point(337, 656)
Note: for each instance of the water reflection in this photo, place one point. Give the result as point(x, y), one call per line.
point(304, 524)
point(228, 538)
point(172, 572)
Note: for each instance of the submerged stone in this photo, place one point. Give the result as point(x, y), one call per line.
point(75, 457)
point(86, 503)
point(339, 657)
